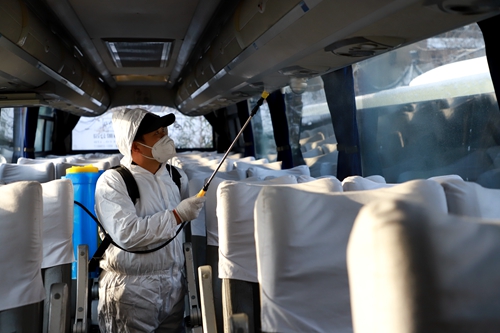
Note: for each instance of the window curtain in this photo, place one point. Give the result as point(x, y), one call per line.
point(340, 97)
point(219, 126)
point(277, 109)
point(30, 134)
point(63, 127)
point(489, 28)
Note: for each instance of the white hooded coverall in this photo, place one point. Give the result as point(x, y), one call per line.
point(139, 292)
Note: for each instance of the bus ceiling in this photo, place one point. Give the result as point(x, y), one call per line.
point(198, 56)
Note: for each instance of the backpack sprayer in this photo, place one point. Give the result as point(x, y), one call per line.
point(252, 113)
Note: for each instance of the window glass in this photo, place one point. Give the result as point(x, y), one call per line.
point(97, 133)
point(262, 126)
point(39, 136)
point(313, 132)
point(46, 111)
point(429, 109)
point(45, 126)
point(49, 128)
point(6, 133)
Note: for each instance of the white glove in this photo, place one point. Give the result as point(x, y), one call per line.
point(188, 209)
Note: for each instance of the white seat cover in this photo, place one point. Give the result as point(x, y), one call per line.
point(301, 241)
point(262, 163)
point(42, 172)
point(25, 160)
point(255, 171)
point(211, 204)
point(471, 199)
point(235, 205)
point(57, 229)
point(358, 183)
point(413, 268)
point(21, 214)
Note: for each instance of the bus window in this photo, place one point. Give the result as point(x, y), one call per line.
point(97, 133)
point(6, 134)
point(316, 138)
point(44, 129)
point(263, 134)
point(429, 109)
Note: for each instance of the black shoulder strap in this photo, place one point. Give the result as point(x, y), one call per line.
point(132, 189)
point(176, 176)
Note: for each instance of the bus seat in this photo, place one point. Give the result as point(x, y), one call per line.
point(323, 164)
point(26, 160)
point(313, 152)
point(237, 256)
point(358, 183)
point(256, 171)
point(413, 268)
point(211, 223)
point(7, 153)
point(301, 241)
point(318, 136)
point(261, 163)
point(471, 199)
point(377, 179)
point(104, 162)
point(244, 165)
point(57, 232)
point(332, 140)
point(336, 182)
point(21, 287)
point(43, 172)
point(328, 147)
point(192, 169)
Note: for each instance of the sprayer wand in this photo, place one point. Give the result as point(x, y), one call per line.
point(252, 113)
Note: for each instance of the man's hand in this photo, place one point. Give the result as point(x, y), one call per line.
point(188, 209)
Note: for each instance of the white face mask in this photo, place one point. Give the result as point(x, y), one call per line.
point(162, 150)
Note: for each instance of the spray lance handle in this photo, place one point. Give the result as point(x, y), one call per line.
point(263, 96)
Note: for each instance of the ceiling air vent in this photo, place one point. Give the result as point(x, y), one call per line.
point(465, 7)
point(298, 71)
point(364, 46)
point(139, 53)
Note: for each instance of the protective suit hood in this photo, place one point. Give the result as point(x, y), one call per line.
point(125, 124)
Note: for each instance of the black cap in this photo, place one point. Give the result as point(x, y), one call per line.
point(151, 122)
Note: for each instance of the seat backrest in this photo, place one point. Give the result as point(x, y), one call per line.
point(262, 163)
point(471, 199)
point(323, 164)
point(43, 172)
point(211, 206)
point(358, 183)
point(57, 230)
point(26, 160)
point(21, 214)
point(301, 241)
point(259, 172)
point(413, 268)
point(235, 204)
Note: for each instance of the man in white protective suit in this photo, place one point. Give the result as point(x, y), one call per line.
point(143, 292)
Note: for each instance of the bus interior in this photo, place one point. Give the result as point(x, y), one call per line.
point(381, 115)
